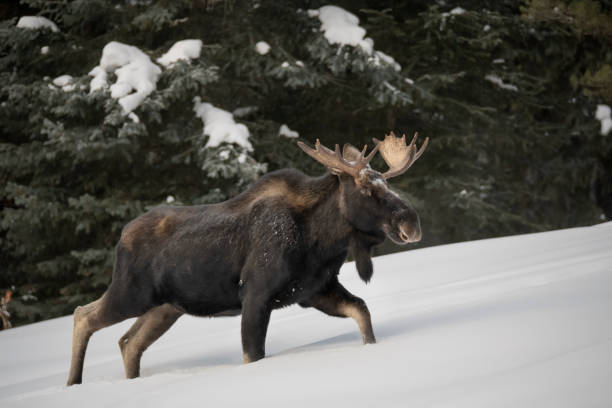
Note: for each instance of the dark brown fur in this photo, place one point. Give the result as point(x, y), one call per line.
point(279, 243)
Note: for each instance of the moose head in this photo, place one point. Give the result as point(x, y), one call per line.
point(366, 200)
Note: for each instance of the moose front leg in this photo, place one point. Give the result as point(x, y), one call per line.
point(339, 302)
point(254, 326)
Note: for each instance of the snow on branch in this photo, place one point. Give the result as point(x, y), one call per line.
point(285, 131)
point(342, 28)
point(181, 50)
point(262, 48)
point(602, 114)
point(499, 82)
point(65, 82)
point(220, 127)
point(136, 74)
point(36, 23)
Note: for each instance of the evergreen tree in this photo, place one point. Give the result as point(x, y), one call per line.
point(507, 96)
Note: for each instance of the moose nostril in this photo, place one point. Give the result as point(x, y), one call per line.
point(408, 234)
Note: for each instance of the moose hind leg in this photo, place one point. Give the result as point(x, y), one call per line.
point(145, 331)
point(339, 302)
point(87, 320)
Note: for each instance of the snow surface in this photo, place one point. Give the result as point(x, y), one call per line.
point(220, 127)
point(36, 22)
point(262, 48)
point(181, 50)
point(602, 114)
point(285, 131)
point(520, 321)
point(342, 27)
point(136, 74)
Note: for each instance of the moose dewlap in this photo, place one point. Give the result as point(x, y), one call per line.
point(280, 242)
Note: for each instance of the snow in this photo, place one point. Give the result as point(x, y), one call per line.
point(602, 114)
point(220, 127)
point(454, 12)
point(285, 131)
point(36, 22)
point(181, 50)
point(133, 117)
point(499, 82)
point(262, 48)
point(342, 27)
point(65, 82)
point(379, 55)
point(244, 111)
point(457, 11)
point(520, 321)
point(606, 126)
point(136, 74)
point(62, 80)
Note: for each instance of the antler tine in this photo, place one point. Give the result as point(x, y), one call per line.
point(372, 153)
point(333, 159)
point(414, 138)
point(362, 154)
point(399, 156)
point(422, 149)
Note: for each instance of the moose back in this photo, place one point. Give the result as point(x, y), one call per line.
point(281, 242)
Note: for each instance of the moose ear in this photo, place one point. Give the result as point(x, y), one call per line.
point(350, 152)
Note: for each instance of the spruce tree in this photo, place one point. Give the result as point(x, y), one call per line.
point(507, 95)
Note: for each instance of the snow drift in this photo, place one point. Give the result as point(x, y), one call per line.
point(520, 321)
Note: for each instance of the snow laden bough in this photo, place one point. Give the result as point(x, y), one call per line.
point(281, 242)
point(136, 74)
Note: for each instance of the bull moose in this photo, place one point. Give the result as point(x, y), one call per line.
point(280, 242)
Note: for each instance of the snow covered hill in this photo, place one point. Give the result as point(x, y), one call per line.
point(523, 321)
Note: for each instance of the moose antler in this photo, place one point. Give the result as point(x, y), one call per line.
point(399, 156)
point(334, 161)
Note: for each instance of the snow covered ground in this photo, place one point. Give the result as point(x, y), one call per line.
point(522, 321)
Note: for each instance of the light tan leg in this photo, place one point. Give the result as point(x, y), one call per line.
point(87, 320)
point(339, 302)
point(147, 329)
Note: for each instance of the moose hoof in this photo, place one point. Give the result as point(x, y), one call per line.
point(369, 340)
point(247, 358)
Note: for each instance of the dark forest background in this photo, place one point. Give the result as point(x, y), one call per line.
point(506, 91)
